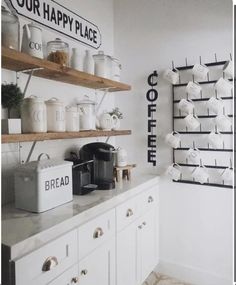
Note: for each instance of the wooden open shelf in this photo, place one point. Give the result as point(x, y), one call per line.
point(58, 136)
point(18, 61)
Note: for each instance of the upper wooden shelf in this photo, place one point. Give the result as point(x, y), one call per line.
point(18, 61)
point(58, 136)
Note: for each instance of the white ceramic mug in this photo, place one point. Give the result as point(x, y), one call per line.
point(215, 105)
point(171, 75)
point(174, 171)
point(193, 155)
point(200, 174)
point(223, 86)
point(228, 68)
point(192, 121)
point(200, 70)
point(193, 88)
point(223, 122)
point(186, 106)
point(227, 174)
point(173, 139)
point(215, 140)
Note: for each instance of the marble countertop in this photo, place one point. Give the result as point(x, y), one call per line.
point(23, 232)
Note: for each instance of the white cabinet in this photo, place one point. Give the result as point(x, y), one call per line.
point(147, 245)
point(126, 256)
point(46, 263)
point(70, 277)
point(118, 247)
point(137, 243)
point(99, 266)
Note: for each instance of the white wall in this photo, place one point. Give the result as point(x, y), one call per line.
point(12, 154)
point(195, 221)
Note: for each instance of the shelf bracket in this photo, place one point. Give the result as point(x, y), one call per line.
point(103, 97)
point(107, 139)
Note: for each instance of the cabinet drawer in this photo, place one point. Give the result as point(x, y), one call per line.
point(147, 200)
point(43, 265)
point(126, 213)
point(95, 232)
point(70, 277)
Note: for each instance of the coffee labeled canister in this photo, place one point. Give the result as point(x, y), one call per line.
point(55, 115)
point(34, 115)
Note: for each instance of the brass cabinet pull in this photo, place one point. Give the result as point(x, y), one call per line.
point(75, 280)
point(140, 227)
point(98, 233)
point(150, 199)
point(144, 223)
point(84, 272)
point(129, 213)
point(49, 263)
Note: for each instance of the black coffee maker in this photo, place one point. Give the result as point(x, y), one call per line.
point(81, 174)
point(102, 155)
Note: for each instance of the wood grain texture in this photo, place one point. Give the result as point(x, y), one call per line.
point(57, 136)
point(18, 61)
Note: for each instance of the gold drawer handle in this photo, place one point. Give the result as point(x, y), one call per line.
point(129, 213)
point(75, 280)
point(140, 227)
point(98, 233)
point(49, 263)
point(84, 272)
point(144, 223)
point(150, 199)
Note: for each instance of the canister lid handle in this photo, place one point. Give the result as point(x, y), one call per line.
point(40, 156)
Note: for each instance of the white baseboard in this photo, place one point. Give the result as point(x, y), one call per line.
point(195, 276)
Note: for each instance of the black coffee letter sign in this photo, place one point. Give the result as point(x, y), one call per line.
point(152, 96)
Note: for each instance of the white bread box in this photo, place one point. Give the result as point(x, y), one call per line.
point(42, 185)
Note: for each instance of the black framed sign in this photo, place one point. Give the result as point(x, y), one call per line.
point(58, 18)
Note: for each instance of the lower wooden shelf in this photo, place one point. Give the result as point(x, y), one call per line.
point(58, 136)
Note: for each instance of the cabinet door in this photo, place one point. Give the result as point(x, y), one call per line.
point(126, 254)
point(147, 239)
point(70, 277)
point(99, 266)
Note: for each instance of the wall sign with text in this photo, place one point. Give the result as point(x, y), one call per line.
point(152, 96)
point(58, 18)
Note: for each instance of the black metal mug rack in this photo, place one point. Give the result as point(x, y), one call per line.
point(200, 132)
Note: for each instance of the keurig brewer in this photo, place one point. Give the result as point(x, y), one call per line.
point(102, 167)
point(81, 174)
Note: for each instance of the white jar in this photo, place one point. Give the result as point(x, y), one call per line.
point(87, 117)
point(55, 115)
point(88, 62)
point(103, 65)
point(33, 115)
point(77, 59)
point(121, 157)
point(72, 119)
point(116, 69)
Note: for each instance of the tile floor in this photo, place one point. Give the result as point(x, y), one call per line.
point(160, 279)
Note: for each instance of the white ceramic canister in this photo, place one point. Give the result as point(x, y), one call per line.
point(72, 119)
point(121, 157)
point(32, 42)
point(55, 115)
point(87, 117)
point(34, 115)
point(103, 65)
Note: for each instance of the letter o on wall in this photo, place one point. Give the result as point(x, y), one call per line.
point(152, 95)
